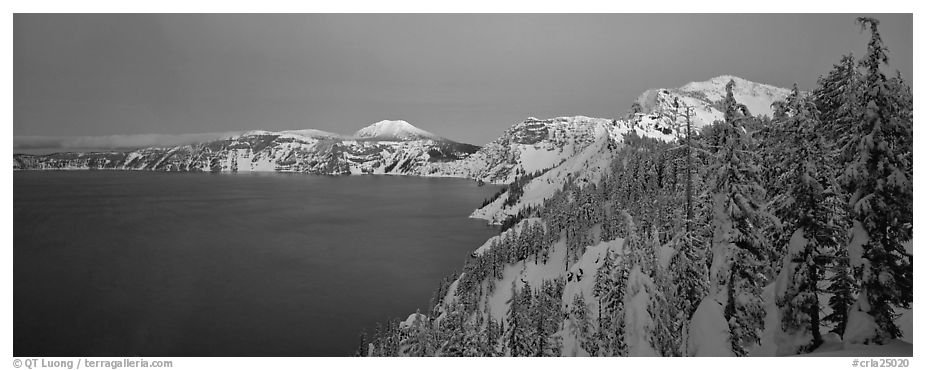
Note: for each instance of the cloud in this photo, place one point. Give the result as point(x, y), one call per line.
point(113, 142)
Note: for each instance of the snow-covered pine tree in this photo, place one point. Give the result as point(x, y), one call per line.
point(843, 288)
point(879, 180)
point(611, 322)
point(687, 272)
point(638, 313)
point(806, 207)
point(666, 307)
point(514, 332)
point(519, 337)
point(836, 98)
point(603, 284)
point(739, 218)
point(493, 333)
point(581, 325)
point(450, 331)
point(388, 339)
point(476, 341)
point(363, 347)
point(687, 284)
point(418, 340)
point(547, 315)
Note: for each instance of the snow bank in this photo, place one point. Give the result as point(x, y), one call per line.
point(893, 348)
point(709, 334)
point(860, 326)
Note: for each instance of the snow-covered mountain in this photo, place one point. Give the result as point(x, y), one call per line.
point(387, 147)
point(394, 131)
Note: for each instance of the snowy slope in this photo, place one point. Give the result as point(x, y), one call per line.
point(586, 165)
point(525, 148)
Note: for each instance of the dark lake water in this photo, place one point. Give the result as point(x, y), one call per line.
point(172, 264)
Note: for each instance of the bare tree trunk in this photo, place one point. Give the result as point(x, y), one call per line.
point(688, 209)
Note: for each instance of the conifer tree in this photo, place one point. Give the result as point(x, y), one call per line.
point(740, 254)
point(519, 338)
point(879, 181)
point(612, 326)
point(806, 209)
point(837, 98)
point(362, 347)
point(843, 288)
point(418, 341)
point(581, 325)
point(451, 333)
point(547, 316)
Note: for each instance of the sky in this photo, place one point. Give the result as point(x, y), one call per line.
point(99, 81)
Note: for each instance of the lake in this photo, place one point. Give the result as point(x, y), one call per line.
point(110, 263)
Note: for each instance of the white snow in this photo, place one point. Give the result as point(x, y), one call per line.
point(905, 323)
point(795, 245)
point(893, 348)
point(709, 334)
point(857, 240)
point(536, 157)
point(771, 337)
point(666, 253)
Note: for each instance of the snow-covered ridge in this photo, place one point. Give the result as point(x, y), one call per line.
point(395, 147)
point(386, 130)
point(528, 147)
point(313, 133)
point(398, 147)
point(715, 89)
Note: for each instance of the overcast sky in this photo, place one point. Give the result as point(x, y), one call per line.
point(465, 77)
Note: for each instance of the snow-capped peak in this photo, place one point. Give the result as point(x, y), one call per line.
point(658, 105)
point(394, 130)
